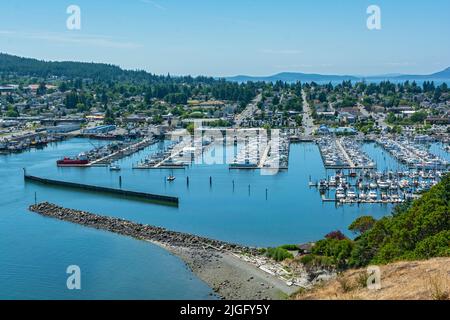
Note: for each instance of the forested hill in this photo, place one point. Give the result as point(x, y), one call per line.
point(10, 64)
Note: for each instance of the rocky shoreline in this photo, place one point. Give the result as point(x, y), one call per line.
point(215, 262)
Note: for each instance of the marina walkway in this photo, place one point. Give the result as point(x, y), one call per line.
point(345, 154)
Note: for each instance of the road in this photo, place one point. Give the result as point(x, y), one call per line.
point(248, 112)
point(308, 121)
point(380, 119)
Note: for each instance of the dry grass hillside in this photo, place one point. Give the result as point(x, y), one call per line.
point(418, 280)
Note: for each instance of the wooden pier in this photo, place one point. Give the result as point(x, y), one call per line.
point(155, 198)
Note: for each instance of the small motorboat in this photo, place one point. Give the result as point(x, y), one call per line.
point(373, 195)
point(114, 168)
point(171, 178)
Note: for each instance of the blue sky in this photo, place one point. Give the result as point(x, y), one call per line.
point(229, 37)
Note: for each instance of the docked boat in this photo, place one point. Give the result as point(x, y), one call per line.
point(114, 168)
point(79, 161)
point(332, 182)
point(351, 195)
point(340, 193)
point(404, 184)
point(323, 185)
point(383, 184)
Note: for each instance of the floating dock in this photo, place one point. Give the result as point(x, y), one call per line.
point(155, 198)
point(343, 154)
point(123, 153)
point(361, 201)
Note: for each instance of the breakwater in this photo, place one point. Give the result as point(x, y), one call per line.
point(155, 198)
point(136, 230)
point(231, 270)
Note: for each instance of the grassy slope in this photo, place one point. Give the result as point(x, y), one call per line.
point(411, 280)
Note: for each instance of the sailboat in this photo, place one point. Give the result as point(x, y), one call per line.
point(171, 177)
point(115, 168)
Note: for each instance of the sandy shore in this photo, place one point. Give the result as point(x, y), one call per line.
point(231, 277)
point(232, 271)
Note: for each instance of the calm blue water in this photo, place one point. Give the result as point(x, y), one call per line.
point(35, 251)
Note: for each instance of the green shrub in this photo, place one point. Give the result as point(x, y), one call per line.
point(290, 247)
point(278, 254)
point(338, 250)
point(314, 261)
point(435, 246)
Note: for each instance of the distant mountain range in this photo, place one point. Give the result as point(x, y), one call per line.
point(38, 68)
point(309, 77)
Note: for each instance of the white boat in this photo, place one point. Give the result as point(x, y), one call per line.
point(340, 195)
point(404, 184)
point(171, 178)
point(383, 184)
point(351, 194)
point(373, 195)
point(332, 182)
point(114, 168)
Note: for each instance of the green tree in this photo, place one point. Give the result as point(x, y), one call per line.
point(109, 117)
point(12, 112)
point(362, 224)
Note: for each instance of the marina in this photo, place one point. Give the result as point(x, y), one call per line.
point(412, 154)
point(203, 208)
point(343, 153)
point(176, 155)
point(106, 155)
point(261, 152)
point(376, 187)
point(356, 179)
point(26, 141)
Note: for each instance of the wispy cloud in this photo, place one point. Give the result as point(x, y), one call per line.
point(154, 3)
point(72, 38)
point(304, 66)
point(400, 64)
point(282, 51)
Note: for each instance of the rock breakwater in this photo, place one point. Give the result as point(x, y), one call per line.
point(137, 230)
point(218, 263)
